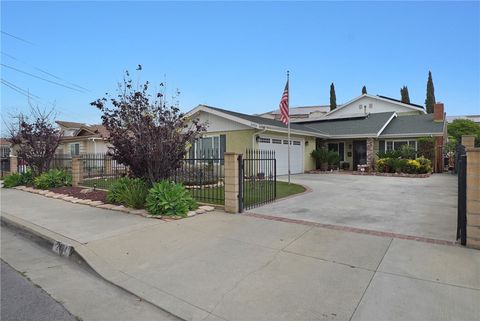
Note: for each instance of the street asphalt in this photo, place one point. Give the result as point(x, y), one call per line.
point(24, 301)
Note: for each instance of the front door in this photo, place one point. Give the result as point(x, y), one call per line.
point(359, 153)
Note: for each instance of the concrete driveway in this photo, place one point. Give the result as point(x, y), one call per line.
point(425, 207)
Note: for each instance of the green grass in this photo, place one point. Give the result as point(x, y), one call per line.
point(253, 193)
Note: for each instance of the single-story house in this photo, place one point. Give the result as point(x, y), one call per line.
point(357, 130)
point(79, 138)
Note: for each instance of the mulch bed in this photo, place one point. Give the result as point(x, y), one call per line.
point(75, 192)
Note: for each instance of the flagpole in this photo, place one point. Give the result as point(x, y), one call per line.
point(289, 141)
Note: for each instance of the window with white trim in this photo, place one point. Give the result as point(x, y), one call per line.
point(397, 144)
point(263, 140)
point(74, 149)
point(207, 147)
point(338, 148)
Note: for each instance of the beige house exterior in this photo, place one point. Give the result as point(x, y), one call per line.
point(79, 138)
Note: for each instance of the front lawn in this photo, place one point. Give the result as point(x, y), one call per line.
point(253, 193)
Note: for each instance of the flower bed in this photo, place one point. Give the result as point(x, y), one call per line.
point(425, 175)
point(78, 195)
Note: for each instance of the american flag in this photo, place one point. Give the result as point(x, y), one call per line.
point(284, 114)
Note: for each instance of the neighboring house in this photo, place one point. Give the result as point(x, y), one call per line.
point(79, 138)
point(4, 148)
point(4, 156)
point(357, 134)
point(300, 113)
point(474, 118)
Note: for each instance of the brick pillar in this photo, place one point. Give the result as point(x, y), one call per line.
point(77, 168)
point(468, 141)
point(13, 164)
point(231, 182)
point(370, 152)
point(473, 197)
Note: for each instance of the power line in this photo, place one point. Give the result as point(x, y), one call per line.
point(41, 78)
point(44, 71)
point(8, 83)
point(14, 89)
point(18, 38)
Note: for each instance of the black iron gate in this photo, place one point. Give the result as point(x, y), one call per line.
point(461, 168)
point(257, 178)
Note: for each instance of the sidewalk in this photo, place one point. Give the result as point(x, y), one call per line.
point(232, 267)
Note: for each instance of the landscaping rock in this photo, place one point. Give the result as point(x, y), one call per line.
point(121, 208)
point(106, 206)
point(139, 212)
point(58, 196)
point(85, 202)
point(75, 200)
point(21, 187)
point(50, 194)
point(29, 189)
point(95, 203)
point(86, 190)
point(191, 213)
point(43, 192)
point(200, 211)
point(207, 208)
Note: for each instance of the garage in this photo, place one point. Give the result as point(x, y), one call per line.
point(280, 146)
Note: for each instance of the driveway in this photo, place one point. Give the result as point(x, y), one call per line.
point(425, 207)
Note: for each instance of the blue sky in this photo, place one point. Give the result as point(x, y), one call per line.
point(235, 55)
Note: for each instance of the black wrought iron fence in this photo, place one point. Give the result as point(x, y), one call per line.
point(4, 166)
point(203, 175)
point(257, 178)
point(100, 170)
point(62, 161)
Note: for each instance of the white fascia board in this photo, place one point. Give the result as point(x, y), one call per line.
point(293, 131)
point(386, 124)
point(372, 135)
point(411, 135)
point(204, 108)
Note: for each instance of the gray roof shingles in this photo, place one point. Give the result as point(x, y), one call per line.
point(414, 124)
point(369, 125)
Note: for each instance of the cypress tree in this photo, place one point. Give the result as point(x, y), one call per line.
point(333, 97)
point(364, 90)
point(404, 94)
point(430, 100)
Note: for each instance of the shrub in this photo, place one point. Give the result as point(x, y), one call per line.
point(411, 166)
point(12, 180)
point(169, 198)
point(53, 178)
point(16, 179)
point(390, 154)
point(426, 147)
point(130, 192)
point(408, 152)
point(333, 158)
point(425, 165)
point(382, 165)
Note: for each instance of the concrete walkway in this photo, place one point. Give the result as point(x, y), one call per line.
point(232, 267)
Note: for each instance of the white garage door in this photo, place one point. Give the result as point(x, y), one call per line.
point(280, 146)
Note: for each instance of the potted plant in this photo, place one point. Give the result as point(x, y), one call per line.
point(332, 159)
point(321, 156)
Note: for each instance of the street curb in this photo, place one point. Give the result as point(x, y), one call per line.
point(162, 300)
